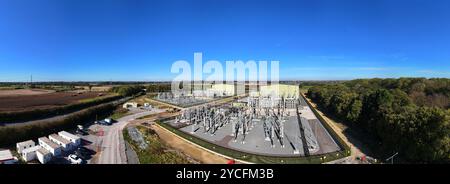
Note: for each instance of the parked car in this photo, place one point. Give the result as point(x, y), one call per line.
point(81, 132)
point(83, 152)
point(106, 121)
point(103, 122)
point(81, 155)
point(74, 159)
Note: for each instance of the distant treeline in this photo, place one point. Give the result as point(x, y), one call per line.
point(313, 83)
point(13, 134)
point(158, 87)
point(28, 115)
point(94, 83)
point(127, 90)
point(407, 115)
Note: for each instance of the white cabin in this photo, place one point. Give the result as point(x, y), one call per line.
point(76, 141)
point(6, 157)
point(50, 146)
point(64, 143)
point(29, 154)
point(24, 145)
point(43, 155)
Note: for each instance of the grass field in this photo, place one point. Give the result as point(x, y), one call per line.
point(156, 152)
point(119, 112)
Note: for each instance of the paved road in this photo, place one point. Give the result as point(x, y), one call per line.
point(112, 143)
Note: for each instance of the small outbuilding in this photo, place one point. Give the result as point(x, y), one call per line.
point(29, 154)
point(129, 105)
point(6, 157)
point(64, 143)
point(24, 145)
point(76, 141)
point(43, 155)
point(50, 146)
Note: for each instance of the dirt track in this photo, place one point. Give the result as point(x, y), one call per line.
point(188, 148)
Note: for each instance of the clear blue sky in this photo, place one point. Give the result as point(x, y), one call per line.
point(72, 40)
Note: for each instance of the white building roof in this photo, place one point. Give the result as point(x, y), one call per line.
point(20, 144)
point(43, 151)
point(49, 142)
point(6, 155)
point(67, 134)
point(32, 149)
point(59, 139)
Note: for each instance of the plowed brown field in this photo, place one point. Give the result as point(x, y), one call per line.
point(15, 102)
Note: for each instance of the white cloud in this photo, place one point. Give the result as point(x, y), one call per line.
point(434, 72)
point(342, 68)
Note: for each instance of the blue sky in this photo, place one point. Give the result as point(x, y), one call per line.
point(85, 40)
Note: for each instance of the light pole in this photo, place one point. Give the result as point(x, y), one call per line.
point(392, 158)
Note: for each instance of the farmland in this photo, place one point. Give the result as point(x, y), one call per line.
point(24, 100)
point(22, 92)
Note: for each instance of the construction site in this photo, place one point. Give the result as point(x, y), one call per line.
point(274, 121)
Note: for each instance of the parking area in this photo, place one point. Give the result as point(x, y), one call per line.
point(107, 140)
point(80, 155)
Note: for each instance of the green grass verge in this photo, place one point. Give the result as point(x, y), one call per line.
point(87, 100)
point(119, 113)
point(156, 152)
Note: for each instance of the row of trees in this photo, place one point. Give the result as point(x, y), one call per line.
point(389, 110)
point(127, 90)
point(10, 135)
point(163, 87)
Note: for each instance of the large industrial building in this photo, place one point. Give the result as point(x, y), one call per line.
point(274, 96)
point(223, 89)
point(197, 96)
point(280, 91)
